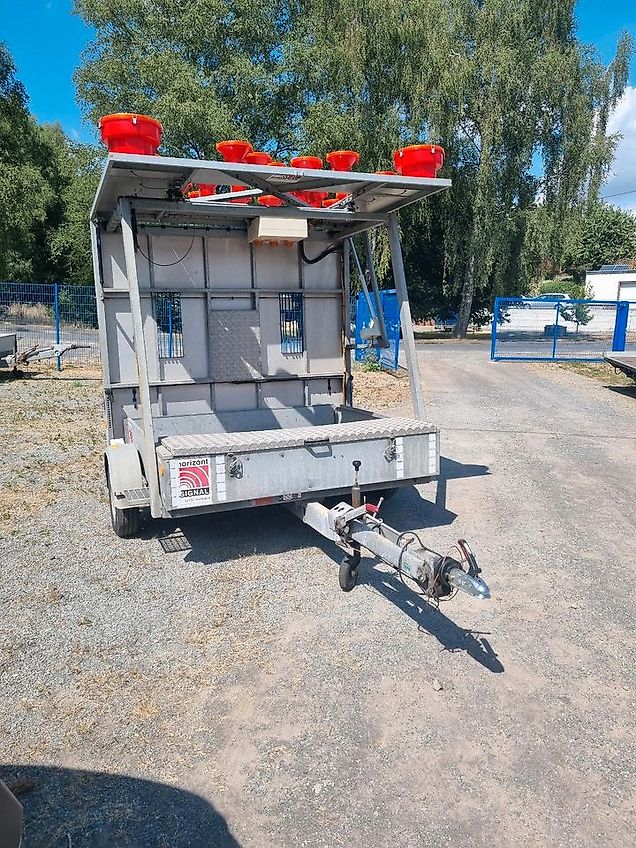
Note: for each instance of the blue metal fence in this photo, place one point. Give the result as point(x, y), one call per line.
point(49, 313)
point(365, 351)
point(527, 329)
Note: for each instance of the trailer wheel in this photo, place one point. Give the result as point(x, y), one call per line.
point(348, 573)
point(125, 521)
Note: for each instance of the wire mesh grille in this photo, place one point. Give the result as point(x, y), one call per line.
point(44, 314)
point(292, 330)
point(524, 328)
point(167, 311)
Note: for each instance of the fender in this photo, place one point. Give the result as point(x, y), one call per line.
point(123, 467)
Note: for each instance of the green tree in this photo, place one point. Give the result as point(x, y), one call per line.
point(78, 168)
point(25, 194)
point(578, 313)
point(519, 104)
point(47, 185)
point(599, 235)
point(207, 69)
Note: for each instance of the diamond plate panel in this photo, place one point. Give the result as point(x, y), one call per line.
point(261, 440)
point(235, 345)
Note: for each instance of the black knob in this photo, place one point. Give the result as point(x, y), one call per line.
point(357, 464)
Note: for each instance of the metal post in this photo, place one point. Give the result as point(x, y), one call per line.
point(150, 456)
point(56, 307)
point(347, 388)
point(620, 325)
point(493, 332)
point(555, 331)
point(417, 394)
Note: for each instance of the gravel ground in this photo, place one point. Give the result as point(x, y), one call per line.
point(228, 694)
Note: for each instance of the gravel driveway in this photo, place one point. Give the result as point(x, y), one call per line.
point(209, 685)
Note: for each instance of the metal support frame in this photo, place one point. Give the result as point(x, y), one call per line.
point(417, 393)
point(101, 318)
point(149, 454)
point(376, 290)
point(347, 383)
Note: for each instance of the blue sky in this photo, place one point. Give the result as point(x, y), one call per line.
point(46, 40)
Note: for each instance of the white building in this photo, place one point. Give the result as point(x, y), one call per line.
point(612, 282)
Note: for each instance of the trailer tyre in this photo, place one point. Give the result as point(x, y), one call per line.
point(348, 573)
point(125, 522)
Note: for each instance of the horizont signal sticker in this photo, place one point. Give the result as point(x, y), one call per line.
point(190, 481)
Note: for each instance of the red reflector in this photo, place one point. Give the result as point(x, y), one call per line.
point(263, 501)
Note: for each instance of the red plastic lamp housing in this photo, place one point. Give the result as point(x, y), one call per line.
point(126, 132)
point(234, 151)
point(419, 160)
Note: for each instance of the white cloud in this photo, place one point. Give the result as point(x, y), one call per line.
point(623, 174)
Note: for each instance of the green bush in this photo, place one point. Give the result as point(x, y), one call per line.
point(567, 286)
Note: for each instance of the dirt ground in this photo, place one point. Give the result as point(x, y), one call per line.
point(209, 685)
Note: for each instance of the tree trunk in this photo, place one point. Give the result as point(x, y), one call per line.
point(466, 303)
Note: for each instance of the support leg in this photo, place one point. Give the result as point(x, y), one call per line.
point(417, 393)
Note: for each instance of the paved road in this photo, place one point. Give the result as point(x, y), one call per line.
point(294, 715)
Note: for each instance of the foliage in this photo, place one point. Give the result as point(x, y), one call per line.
point(80, 168)
point(578, 313)
point(519, 104)
point(46, 189)
point(24, 192)
point(207, 69)
point(567, 286)
point(600, 235)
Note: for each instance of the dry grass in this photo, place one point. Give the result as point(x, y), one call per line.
point(51, 435)
point(34, 313)
point(598, 371)
point(381, 390)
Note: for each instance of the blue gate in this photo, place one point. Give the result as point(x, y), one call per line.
point(365, 350)
point(532, 329)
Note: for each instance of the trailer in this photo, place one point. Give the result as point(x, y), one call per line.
point(11, 357)
point(226, 348)
point(621, 360)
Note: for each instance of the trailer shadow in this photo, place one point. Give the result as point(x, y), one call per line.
point(625, 391)
point(220, 537)
point(429, 619)
point(86, 809)
point(410, 505)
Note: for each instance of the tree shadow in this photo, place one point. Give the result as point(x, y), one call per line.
point(429, 619)
point(82, 809)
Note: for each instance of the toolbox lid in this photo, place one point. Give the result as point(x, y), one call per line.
point(201, 444)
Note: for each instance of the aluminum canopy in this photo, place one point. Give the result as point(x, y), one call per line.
point(157, 180)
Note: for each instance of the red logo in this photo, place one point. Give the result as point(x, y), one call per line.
point(194, 478)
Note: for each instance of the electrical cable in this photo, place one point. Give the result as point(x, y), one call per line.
point(333, 248)
point(618, 194)
point(167, 264)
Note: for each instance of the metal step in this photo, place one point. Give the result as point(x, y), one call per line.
point(136, 497)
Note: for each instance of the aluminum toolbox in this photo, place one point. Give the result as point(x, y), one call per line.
point(223, 469)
